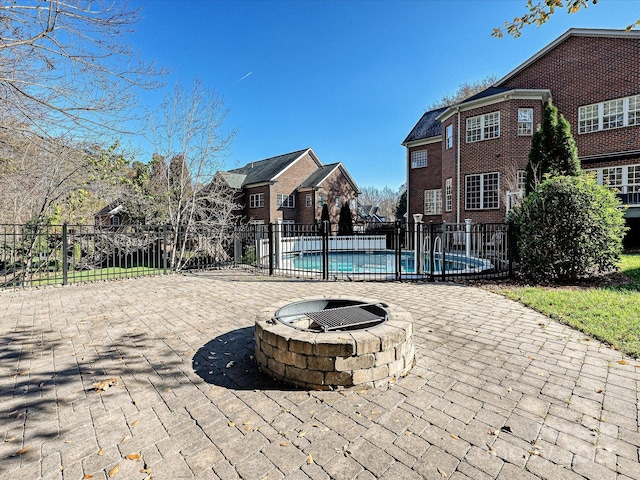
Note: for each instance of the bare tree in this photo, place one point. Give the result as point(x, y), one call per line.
point(541, 12)
point(464, 91)
point(66, 68)
point(189, 143)
point(385, 199)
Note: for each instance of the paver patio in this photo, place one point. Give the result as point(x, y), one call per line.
point(497, 392)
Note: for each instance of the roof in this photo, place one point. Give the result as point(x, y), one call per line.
point(485, 93)
point(320, 175)
point(572, 32)
point(427, 126)
point(113, 208)
point(234, 180)
point(267, 169)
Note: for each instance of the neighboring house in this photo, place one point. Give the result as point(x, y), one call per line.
point(369, 214)
point(112, 215)
point(291, 188)
point(468, 160)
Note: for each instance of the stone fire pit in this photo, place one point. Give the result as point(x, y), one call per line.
point(337, 342)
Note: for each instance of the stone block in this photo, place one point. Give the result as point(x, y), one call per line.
point(324, 364)
point(383, 358)
point(276, 367)
point(304, 375)
point(366, 342)
point(354, 363)
point(302, 342)
point(334, 345)
point(290, 358)
point(339, 378)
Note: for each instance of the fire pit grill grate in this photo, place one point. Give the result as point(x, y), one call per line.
point(347, 316)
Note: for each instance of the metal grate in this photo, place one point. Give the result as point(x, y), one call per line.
point(348, 316)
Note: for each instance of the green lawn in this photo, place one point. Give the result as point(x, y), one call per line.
point(93, 275)
point(610, 313)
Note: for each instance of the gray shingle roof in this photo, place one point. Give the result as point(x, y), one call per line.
point(427, 126)
point(318, 176)
point(486, 93)
point(265, 170)
point(234, 180)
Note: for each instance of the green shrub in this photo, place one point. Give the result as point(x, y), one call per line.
point(568, 228)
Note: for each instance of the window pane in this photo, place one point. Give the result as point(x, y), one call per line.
point(474, 129)
point(490, 195)
point(613, 114)
point(612, 177)
point(525, 121)
point(492, 125)
point(448, 193)
point(472, 192)
point(634, 110)
point(588, 118)
point(418, 158)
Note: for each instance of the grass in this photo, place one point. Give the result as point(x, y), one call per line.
point(610, 313)
point(92, 275)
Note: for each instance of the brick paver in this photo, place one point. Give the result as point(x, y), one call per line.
point(497, 391)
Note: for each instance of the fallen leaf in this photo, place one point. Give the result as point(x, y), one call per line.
point(442, 473)
point(87, 476)
point(492, 450)
point(22, 450)
point(599, 390)
point(247, 429)
point(136, 422)
point(284, 444)
point(231, 424)
point(622, 362)
point(302, 433)
point(126, 437)
point(507, 429)
point(146, 470)
point(133, 456)
point(246, 423)
point(455, 437)
point(101, 451)
point(105, 384)
point(309, 459)
point(114, 471)
point(230, 364)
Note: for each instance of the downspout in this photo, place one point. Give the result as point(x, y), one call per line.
point(458, 172)
point(407, 166)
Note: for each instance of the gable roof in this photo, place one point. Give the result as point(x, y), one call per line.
point(427, 126)
point(268, 169)
point(572, 32)
point(321, 174)
point(234, 180)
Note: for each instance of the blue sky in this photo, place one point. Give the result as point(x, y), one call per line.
point(346, 78)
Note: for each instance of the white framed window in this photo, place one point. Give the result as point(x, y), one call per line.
point(115, 220)
point(309, 200)
point(482, 191)
point(525, 121)
point(433, 202)
point(633, 179)
point(256, 200)
point(352, 204)
point(521, 180)
point(448, 194)
point(620, 112)
point(285, 201)
point(418, 158)
point(449, 136)
point(483, 127)
point(321, 200)
point(612, 177)
point(338, 202)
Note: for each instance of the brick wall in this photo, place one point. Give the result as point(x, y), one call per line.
point(425, 178)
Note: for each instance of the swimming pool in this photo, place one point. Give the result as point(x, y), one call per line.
point(384, 262)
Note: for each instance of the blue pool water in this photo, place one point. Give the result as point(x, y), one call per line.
point(384, 262)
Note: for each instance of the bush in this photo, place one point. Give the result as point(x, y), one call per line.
point(568, 228)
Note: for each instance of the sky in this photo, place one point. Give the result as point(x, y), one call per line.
point(349, 79)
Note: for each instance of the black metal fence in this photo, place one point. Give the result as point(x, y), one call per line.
point(38, 255)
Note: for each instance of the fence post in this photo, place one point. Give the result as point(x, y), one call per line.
point(326, 231)
point(65, 246)
point(511, 246)
point(164, 249)
point(432, 256)
point(417, 243)
point(270, 233)
point(467, 239)
point(398, 230)
point(236, 244)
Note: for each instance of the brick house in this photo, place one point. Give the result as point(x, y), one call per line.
point(292, 188)
point(468, 160)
